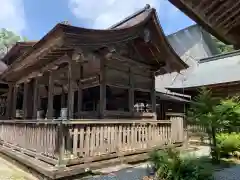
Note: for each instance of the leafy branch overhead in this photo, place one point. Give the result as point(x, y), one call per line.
point(223, 48)
point(7, 40)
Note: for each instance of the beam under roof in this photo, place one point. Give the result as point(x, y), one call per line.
point(218, 17)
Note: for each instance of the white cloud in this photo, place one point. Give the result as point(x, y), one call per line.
point(104, 13)
point(12, 15)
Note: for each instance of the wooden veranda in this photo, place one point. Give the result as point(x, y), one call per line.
point(74, 97)
point(58, 149)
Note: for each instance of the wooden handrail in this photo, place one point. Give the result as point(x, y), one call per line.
point(175, 114)
point(86, 121)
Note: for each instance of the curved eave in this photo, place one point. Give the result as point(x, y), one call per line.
point(225, 38)
point(69, 37)
point(175, 63)
point(173, 57)
point(16, 48)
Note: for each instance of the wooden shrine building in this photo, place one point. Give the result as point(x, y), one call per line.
point(12, 55)
point(74, 76)
point(76, 73)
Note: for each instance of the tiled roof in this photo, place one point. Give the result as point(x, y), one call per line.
point(214, 70)
point(173, 98)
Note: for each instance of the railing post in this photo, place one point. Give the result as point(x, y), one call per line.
point(1, 134)
point(177, 128)
point(61, 145)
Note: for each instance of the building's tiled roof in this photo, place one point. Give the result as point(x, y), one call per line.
point(214, 70)
point(157, 53)
point(172, 98)
point(192, 44)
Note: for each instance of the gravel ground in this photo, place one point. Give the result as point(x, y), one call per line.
point(232, 173)
point(133, 173)
point(139, 171)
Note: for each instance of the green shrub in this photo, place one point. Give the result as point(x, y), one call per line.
point(228, 143)
point(169, 165)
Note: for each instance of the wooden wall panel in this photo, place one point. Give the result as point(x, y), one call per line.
point(141, 82)
point(117, 77)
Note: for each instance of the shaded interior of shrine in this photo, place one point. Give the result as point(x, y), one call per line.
point(116, 100)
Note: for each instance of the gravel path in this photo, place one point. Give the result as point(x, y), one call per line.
point(136, 172)
point(232, 173)
point(139, 171)
point(133, 173)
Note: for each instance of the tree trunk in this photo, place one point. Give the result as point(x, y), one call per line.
point(214, 151)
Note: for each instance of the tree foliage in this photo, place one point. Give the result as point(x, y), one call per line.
point(223, 48)
point(228, 112)
point(7, 40)
point(214, 115)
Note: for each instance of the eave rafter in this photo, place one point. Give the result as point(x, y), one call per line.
point(50, 67)
point(220, 17)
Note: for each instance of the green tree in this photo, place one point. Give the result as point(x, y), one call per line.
point(228, 112)
point(201, 113)
point(215, 115)
point(7, 40)
point(223, 48)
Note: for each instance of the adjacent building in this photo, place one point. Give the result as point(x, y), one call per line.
point(219, 73)
point(191, 44)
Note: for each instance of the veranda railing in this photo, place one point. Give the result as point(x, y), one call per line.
point(71, 142)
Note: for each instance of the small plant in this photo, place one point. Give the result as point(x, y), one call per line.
point(228, 144)
point(169, 165)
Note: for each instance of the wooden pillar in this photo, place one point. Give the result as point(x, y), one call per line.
point(50, 96)
point(131, 93)
point(70, 106)
point(153, 96)
point(61, 145)
point(9, 101)
point(14, 100)
point(80, 92)
point(39, 104)
point(102, 102)
point(63, 98)
point(35, 98)
point(25, 95)
point(30, 99)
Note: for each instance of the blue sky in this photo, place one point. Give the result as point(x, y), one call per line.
point(34, 18)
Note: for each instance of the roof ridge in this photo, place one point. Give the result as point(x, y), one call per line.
point(147, 7)
point(219, 56)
